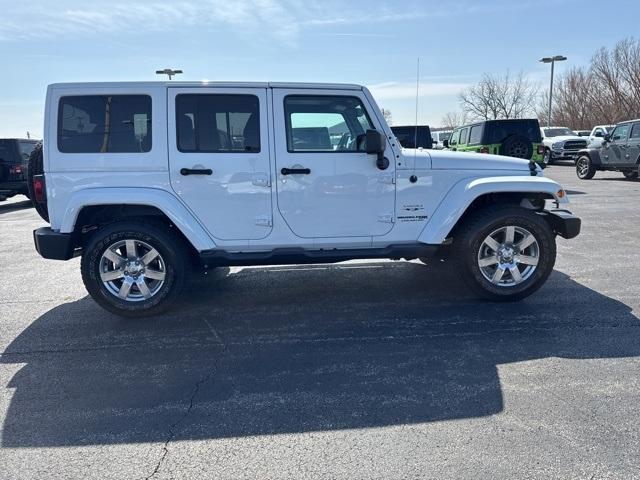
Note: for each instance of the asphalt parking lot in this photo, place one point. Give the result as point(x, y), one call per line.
point(358, 370)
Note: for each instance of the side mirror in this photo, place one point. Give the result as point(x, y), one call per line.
point(607, 137)
point(445, 143)
point(375, 143)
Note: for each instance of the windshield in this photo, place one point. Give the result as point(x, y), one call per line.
point(610, 128)
point(557, 132)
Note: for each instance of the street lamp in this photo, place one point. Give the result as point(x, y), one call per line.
point(169, 72)
point(552, 61)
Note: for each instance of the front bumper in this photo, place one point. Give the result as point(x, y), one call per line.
point(563, 223)
point(54, 245)
point(564, 154)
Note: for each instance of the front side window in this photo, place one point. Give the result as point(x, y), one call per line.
point(104, 124)
point(455, 137)
point(635, 132)
point(324, 123)
point(218, 123)
point(620, 133)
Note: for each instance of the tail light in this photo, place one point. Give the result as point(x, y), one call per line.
point(15, 170)
point(540, 149)
point(484, 150)
point(38, 188)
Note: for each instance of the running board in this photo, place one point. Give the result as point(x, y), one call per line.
point(288, 256)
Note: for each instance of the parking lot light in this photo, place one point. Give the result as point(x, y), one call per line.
point(552, 61)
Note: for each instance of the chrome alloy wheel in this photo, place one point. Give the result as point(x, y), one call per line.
point(132, 270)
point(583, 167)
point(508, 256)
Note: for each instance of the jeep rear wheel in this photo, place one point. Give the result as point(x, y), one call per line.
point(630, 174)
point(505, 254)
point(134, 269)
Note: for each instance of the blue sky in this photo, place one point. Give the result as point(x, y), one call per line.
point(368, 42)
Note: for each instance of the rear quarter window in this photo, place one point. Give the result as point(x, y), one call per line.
point(498, 131)
point(104, 124)
point(475, 136)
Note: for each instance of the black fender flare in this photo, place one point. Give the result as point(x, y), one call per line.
point(593, 154)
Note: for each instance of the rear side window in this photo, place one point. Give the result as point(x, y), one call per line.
point(324, 123)
point(475, 136)
point(104, 124)
point(464, 135)
point(218, 123)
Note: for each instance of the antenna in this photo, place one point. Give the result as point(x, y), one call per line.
point(415, 132)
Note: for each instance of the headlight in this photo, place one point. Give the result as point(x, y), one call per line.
point(557, 145)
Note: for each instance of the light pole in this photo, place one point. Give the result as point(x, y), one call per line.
point(168, 72)
point(552, 61)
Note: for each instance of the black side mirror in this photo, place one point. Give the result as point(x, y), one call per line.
point(607, 137)
point(445, 143)
point(375, 143)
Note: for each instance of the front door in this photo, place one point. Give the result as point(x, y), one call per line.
point(632, 154)
point(613, 152)
point(219, 158)
point(327, 186)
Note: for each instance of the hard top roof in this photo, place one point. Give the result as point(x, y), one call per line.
point(181, 84)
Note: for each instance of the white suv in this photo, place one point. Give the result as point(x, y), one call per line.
point(146, 180)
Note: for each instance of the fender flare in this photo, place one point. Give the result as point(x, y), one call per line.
point(593, 154)
point(164, 201)
point(463, 193)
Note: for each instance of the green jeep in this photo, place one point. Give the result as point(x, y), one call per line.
point(514, 138)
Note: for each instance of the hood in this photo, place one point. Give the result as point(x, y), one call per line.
point(562, 138)
point(448, 160)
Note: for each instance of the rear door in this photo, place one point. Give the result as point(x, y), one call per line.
point(219, 158)
point(326, 185)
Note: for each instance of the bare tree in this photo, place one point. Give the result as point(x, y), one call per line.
point(607, 91)
point(452, 120)
point(500, 96)
point(386, 114)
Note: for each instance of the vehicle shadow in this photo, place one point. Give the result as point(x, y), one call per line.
point(13, 206)
point(294, 349)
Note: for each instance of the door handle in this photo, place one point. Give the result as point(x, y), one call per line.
point(196, 171)
point(295, 171)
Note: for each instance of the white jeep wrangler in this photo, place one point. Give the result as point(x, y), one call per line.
point(146, 180)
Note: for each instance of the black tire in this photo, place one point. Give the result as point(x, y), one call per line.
point(517, 146)
point(469, 239)
point(36, 167)
point(631, 174)
point(584, 168)
point(173, 253)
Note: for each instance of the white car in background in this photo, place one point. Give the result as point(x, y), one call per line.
point(439, 137)
point(596, 138)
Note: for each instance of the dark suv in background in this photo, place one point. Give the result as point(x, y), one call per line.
point(514, 138)
point(413, 137)
point(14, 158)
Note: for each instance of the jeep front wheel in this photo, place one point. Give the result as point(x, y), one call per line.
point(584, 168)
point(134, 269)
point(505, 254)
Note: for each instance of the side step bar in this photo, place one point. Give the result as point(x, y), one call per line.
point(287, 256)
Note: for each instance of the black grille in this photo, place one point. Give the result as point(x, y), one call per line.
point(575, 144)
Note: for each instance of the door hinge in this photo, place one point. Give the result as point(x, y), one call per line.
point(386, 218)
point(261, 180)
point(387, 178)
point(263, 221)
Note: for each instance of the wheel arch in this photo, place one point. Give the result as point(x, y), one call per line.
point(467, 197)
point(90, 208)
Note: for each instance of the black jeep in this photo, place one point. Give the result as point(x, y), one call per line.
point(14, 158)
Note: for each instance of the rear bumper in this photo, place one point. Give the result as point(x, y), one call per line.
point(563, 223)
point(54, 245)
